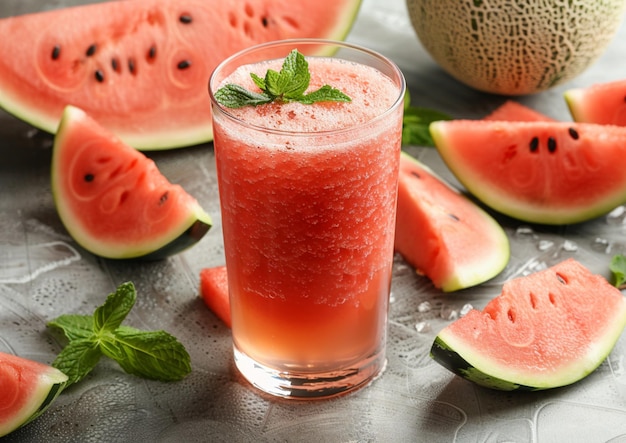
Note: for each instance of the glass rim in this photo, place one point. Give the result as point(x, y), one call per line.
point(310, 41)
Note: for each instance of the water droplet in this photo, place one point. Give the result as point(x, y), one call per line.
point(525, 231)
point(544, 245)
point(616, 216)
point(465, 309)
point(424, 307)
point(601, 245)
point(423, 326)
point(448, 313)
point(569, 246)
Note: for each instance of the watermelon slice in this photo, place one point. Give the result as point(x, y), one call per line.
point(512, 111)
point(141, 67)
point(113, 200)
point(214, 292)
point(442, 233)
point(602, 103)
point(27, 388)
point(541, 171)
point(545, 330)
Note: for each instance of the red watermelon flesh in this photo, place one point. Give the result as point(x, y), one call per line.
point(113, 200)
point(141, 67)
point(542, 172)
point(214, 292)
point(545, 330)
point(442, 233)
point(602, 103)
point(511, 110)
point(27, 388)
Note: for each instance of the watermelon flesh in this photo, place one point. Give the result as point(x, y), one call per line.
point(214, 292)
point(511, 110)
point(540, 171)
point(442, 233)
point(113, 200)
point(545, 330)
point(141, 68)
point(27, 388)
point(602, 103)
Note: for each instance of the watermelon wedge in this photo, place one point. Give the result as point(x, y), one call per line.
point(545, 330)
point(141, 68)
point(113, 200)
point(602, 103)
point(540, 171)
point(442, 233)
point(512, 111)
point(214, 292)
point(27, 388)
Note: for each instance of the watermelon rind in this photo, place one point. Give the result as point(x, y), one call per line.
point(50, 383)
point(462, 349)
point(178, 237)
point(155, 104)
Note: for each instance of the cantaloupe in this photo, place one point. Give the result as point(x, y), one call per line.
point(511, 47)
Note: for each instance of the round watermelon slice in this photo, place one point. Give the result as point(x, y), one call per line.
point(546, 172)
point(113, 200)
point(545, 330)
point(602, 103)
point(442, 233)
point(141, 68)
point(27, 388)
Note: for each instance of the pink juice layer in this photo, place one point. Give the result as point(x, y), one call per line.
point(308, 222)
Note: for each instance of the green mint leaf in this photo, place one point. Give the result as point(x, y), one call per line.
point(115, 309)
point(324, 94)
point(235, 96)
point(77, 359)
point(618, 268)
point(290, 84)
point(416, 123)
point(74, 326)
point(155, 355)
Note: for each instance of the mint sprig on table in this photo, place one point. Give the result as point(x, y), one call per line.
point(155, 355)
point(618, 268)
point(287, 85)
point(416, 122)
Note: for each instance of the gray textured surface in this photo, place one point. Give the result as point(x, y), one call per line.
point(44, 274)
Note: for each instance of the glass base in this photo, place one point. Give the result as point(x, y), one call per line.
point(303, 385)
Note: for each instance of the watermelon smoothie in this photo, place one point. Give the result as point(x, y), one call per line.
point(308, 199)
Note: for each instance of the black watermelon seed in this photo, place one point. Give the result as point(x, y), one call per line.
point(56, 52)
point(534, 144)
point(185, 18)
point(131, 65)
point(152, 52)
point(99, 75)
point(163, 198)
point(91, 50)
point(115, 64)
point(551, 144)
point(264, 22)
point(573, 133)
point(454, 217)
point(416, 174)
point(89, 177)
point(184, 64)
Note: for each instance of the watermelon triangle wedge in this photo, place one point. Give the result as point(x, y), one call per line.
point(545, 330)
point(141, 68)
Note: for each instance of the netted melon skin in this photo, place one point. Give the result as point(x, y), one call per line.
point(510, 47)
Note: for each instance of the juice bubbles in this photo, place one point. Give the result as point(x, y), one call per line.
point(308, 197)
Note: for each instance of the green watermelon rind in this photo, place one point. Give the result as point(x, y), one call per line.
point(511, 206)
point(176, 240)
point(50, 384)
point(450, 351)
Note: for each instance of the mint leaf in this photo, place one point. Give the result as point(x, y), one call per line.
point(235, 96)
point(151, 354)
point(290, 84)
point(77, 359)
point(416, 123)
point(74, 326)
point(618, 268)
point(115, 309)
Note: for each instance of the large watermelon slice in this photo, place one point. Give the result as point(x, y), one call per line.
point(545, 330)
point(113, 200)
point(27, 388)
point(602, 103)
point(540, 171)
point(442, 233)
point(141, 67)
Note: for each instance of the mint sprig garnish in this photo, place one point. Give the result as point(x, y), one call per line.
point(156, 355)
point(288, 85)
